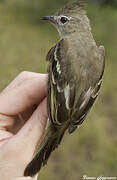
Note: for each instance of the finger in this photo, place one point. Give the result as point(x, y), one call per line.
point(27, 113)
point(12, 124)
point(23, 76)
point(28, 93)
point(31, 133)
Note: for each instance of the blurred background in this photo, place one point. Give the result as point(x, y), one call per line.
point(24, 43)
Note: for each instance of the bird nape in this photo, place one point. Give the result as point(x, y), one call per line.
point(75, 70)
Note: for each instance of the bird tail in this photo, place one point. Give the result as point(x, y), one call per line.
point(49, 143)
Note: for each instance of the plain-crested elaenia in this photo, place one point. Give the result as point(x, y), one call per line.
point(75, 70)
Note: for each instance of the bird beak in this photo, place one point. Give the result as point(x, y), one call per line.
point(49, 18)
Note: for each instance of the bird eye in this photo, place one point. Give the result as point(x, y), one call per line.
point(63, 19)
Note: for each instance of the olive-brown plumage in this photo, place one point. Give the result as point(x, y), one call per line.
point(75, 71)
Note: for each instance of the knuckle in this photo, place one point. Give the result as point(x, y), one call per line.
point(24, 74)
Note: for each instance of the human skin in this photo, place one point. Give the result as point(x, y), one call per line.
point(23, 117)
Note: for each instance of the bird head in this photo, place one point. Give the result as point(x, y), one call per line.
point(69, 19)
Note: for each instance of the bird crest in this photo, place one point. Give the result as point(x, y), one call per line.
point(74, 7)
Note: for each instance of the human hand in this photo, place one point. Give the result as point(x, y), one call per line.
point(23, 116)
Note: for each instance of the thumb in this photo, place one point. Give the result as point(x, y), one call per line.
point(32, 133)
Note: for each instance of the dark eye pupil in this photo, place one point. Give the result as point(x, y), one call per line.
point(64, 20)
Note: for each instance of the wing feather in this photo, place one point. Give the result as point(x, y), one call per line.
point(60, 91)
point(62, 100)
point(86, 99)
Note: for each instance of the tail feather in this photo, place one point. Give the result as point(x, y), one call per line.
point(49, 149)
point(41, 157)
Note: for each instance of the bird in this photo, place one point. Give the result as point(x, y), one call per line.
point(75, 71)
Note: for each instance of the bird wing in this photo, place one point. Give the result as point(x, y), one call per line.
point(62, 102)
point(83, 106)
point(87, 98)
point(60, 92)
